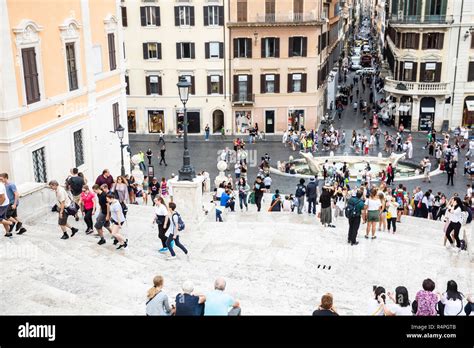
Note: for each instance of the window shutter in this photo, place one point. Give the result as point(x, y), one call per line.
point(424, 44)
point(160, 86)
point(249, 85)
point(277, 83)
point(319, 44)
point(236, 48)
point(290, 47)
point(158, 16)
point(417, 41)
point(193, 51)
point(262, 48)
point(290, 84)
point(262, 84)
point(123, 10)
point(206, 16)
point(414, 72)
point(221, 85)
point(472, 40)
point(440, 42)
point(208, 85)
point(221, 50)
point(127, 83)
point(249, 48)
point(400, 71)
point(148, 89)
point(221, 15)
point(191, 21)
point(422, 72)
point(143, 16)
point(193, 86)
point(303, 83)
point(305, 46)
point(277, 48)
point(206, 50)
point(470, 74)
point(159, 50)
point(438, 72)
point(178, 50)
point(176, 16)
point(236, 85)
point(30, 75)
point(145, 50)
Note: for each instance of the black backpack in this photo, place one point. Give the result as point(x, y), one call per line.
point(300, 191)
point(351, 209)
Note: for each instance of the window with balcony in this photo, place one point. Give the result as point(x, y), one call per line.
point(241, 10)
point(242, 48)
point(269, 83)
point(297, 46)
point(153, 85)
point(185, 50)
point(242, 88)
point(430, 72)
point(270, 47)
point(433, 41)
point(150, 16)
point(151, 50)
point(435, 8)
point(411, 40)
point(214, 50)
point(269, 10)
point(184, 16)
point(412, 8)
point(298, 8)
point(408, 71)
point(296, 83)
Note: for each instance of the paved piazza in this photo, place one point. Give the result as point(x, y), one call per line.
point(273, 265)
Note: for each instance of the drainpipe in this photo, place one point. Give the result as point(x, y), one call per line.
point(229, 53)
point(457, 57)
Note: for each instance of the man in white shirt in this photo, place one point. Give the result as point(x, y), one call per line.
point(63, 203)
point(4, 202)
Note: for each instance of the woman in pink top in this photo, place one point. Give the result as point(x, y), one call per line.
point(88, 207)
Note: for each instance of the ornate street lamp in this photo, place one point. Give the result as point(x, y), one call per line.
point(120, 133)
point(186, 173)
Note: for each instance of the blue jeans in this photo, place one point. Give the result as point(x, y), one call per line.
point(218, 215)
point(177, 243)
point(142, 166)
point(243, 200)
point(206, 137)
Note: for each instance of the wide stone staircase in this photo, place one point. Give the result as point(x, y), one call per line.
point(275, 263)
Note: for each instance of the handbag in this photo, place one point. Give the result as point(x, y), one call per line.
point(389, 216)
point(252, 198)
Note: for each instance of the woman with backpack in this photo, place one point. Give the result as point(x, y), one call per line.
point(172, 234)
point(455, 214)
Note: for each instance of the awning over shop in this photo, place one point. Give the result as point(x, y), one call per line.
point(470, 105)
point(428, 110)
point(403, 108)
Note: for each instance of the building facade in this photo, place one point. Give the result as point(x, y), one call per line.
point(428, 48)
point(279, 62)
point(61, 89)
point(166, 40)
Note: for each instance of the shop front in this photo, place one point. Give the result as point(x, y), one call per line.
point(156, 121)
point(132, 121)
point(405, 112)
point(468, 112)
point(296, 119)
point(427, 114)
point(243, 121)
point(194, 121)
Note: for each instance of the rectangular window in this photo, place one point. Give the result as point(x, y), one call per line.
point(470, 74)
point(185, 50)
point(297, 46)
point(150, 16)
point(298, 8)
point(184, 16)
point(112, 54)
point(269, 10)
point(71, 66)
point(410, 40)
point(30, 75)
point(132, 121)
point(296, 81)
point(214, 49)
point(127, 87)
point(39, 165)
point(116, 115)
point(152, 50)
point(407, 71)
point(215, 84)
point(241, 10)
point(153, 85)
point(78, 148)
point(269, 83)
point(242, 48)
point(123, 10)
point(436, 7)
point(190, 79)
point(270, 47)
point(429, 73)
point(433, 41)
point(243, 88)
point(213, 15)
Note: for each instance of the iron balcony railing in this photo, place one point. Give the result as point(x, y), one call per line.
point(243, 98)
point(425, 19)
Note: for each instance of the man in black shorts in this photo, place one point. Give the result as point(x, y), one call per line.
point(14, 198)
point(102, 219)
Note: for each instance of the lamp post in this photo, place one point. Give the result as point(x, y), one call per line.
point(120, 133)
point(186, 173)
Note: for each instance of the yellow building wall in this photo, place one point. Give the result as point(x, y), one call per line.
point(53, 129)
point(40, 117)
point(99, 10)
point(52, 53)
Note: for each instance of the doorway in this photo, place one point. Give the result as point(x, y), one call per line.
point(217, 121)
point(270, 121)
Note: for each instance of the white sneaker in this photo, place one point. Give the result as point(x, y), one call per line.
point(171, 258)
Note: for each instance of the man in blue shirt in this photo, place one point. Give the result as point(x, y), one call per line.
point(14, 199)
point(227, 201)
point(219, 303)
point(188, 304)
